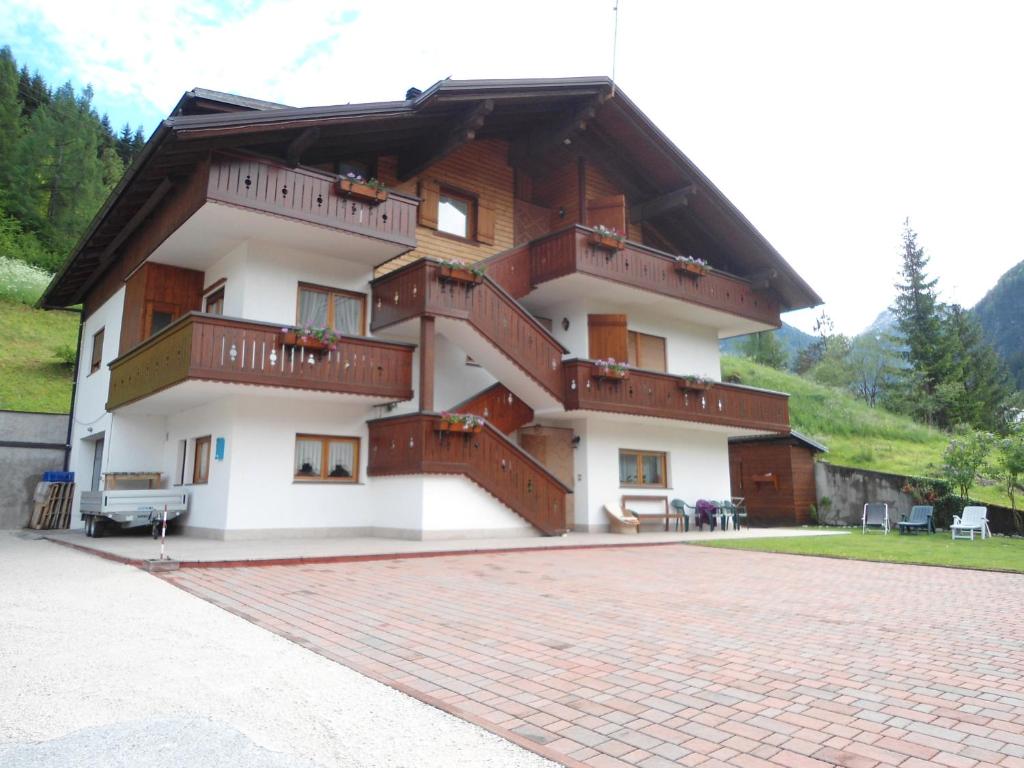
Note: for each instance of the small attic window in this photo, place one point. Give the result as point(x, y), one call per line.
point(456, 213)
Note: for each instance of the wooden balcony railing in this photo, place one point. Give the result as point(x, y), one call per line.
point(499, 405)
point(417, 289)
point(216, 348)
point(568, 251)
point(649, 393)
point(410, 445)
point(309, 196)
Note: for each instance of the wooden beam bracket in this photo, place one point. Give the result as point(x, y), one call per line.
point(676, 199)
point(298, 145)
point(540, 142)
point(422, 156)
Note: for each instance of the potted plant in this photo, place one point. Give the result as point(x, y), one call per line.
point(690, 265)
point(355, 186)
point(461, 271)
point(610, 369)
point(466, 423)
point(695, 383)
point(607, 237)
point(314, 339)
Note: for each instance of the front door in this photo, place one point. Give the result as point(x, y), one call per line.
point(97, 465)
point(552, 447)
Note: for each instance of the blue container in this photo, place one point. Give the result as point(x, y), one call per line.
point(58, 477)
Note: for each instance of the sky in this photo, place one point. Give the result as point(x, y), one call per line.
point(826, 123)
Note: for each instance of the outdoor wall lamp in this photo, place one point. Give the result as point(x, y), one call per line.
point(565, 323)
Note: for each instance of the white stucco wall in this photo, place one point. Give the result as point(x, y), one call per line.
point(697, 464)
point(689, 348)
point(90, 418)
point(457, 507)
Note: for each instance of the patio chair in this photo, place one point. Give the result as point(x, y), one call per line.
point(920, 520)
point(620, 520)
point(705, 512)
point(729, 514)
point(972, 520)
point(876, 514)
point(739, 515)
point(683, 511)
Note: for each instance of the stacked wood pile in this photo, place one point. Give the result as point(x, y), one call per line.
point(55, 509)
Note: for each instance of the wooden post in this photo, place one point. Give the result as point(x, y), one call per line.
point(427, 363)
point(581, 188)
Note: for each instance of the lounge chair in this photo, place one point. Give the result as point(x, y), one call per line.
point(972, 520)
point(875, 514)
point(621, 520)
point(920, 520)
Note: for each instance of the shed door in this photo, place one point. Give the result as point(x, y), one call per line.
point(608, 337)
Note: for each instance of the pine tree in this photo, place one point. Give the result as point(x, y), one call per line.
point(977, 383)
point(917, 311)
point(10, 119)
point(764, 348)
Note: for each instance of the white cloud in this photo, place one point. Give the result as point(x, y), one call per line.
point(825, 123)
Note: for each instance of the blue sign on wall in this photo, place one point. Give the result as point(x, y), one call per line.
point(218, 451)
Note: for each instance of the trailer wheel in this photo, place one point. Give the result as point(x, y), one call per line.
point(88, 526)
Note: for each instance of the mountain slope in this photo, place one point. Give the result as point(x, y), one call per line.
point(855, 434)
point(793, 340)
point(1002, 320)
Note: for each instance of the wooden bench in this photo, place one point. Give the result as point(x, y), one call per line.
point(668, 514)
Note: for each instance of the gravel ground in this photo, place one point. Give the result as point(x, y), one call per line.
point(95, 655)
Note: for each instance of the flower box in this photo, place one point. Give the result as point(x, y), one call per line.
point(466, 429)
point(610, 374)
point(455, 275)
point(292, 339)
point(606, 241)
point(690, 269)
point(358, 190)
point(695, 385)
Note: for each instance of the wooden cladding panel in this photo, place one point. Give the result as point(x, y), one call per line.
point(308, 195)
point(161, 288)
point(417, 289)
point(410, 445)
point(785, 502)
point(568, 251)
point(608, 211)
point(647, 393)
point(215, 348)
point(600, 186)
point(480, 167)
point(500, 406)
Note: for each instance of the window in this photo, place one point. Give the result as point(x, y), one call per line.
point(642, 469)
point(96, 360)
point(326, 458)
point(214, 302)
point(201, 464)
point(341, 311)
point(456, 214)
point(646, 351)
point(160, 319)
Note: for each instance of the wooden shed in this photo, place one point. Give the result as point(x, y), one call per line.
point(775, 475)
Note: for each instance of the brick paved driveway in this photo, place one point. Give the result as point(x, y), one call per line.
point(674, 655)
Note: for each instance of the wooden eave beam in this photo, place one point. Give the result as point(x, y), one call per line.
point(127, 231)
point(298, 145)
point(422, 156)
point(676, 199)
point(540, 142)
point(762, 278)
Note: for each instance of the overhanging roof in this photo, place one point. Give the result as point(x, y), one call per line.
point(793, 436)
point(619, 137)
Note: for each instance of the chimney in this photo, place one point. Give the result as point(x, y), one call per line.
point(412, 93)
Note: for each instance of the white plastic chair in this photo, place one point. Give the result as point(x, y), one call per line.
point(972, 520)
point(875, 514)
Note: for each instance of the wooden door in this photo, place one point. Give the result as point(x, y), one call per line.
point(609, 211)
point(552, 447)
point(608, 337)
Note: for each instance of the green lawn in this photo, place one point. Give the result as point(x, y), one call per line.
point(998, 553)
point(31, 376)
point(855, 434)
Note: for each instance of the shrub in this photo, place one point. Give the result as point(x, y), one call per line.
point(65, 354)
point(21, 282)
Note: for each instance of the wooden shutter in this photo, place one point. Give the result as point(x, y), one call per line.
point(608, 337)
point(430, 194)
point(484, 224)
point(607, 211)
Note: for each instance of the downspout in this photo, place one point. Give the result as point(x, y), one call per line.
point(74, 390)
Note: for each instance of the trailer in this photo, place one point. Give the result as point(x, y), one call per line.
point(104, 511)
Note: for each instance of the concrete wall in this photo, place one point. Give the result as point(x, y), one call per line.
point(850, 489)
point(21, 466)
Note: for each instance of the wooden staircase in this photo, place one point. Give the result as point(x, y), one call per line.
point(413, 445)
point(500, 406)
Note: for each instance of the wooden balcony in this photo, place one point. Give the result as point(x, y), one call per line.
point(410, 445)
point(309, 196)
point(215, 348)
point(649, 393)
point(568, 252)
point(418, 289)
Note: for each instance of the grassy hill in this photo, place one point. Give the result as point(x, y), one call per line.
point(856, 435)
point(32, 376)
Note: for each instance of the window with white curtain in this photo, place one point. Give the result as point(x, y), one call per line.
point(341, 311)
point(325, 457)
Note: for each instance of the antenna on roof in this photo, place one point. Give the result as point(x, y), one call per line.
point(615, 43)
